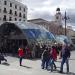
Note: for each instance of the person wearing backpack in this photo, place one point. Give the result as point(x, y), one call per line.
point(65, 57)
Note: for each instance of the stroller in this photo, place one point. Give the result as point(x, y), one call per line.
point(2, 58)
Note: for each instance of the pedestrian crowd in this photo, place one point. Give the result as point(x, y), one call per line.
point(49, 56)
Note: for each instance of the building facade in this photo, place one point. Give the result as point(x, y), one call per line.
point(53, 26)
point(12, 10)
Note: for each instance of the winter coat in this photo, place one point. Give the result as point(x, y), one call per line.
point(67, 52)
point(45, 55)
point(20, 52)
point(54, 54)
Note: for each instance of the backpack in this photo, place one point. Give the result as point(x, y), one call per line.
point(67, 52)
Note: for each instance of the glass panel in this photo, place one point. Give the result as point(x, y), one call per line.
point(35, 32)
point(38, 34)
point(32, 33)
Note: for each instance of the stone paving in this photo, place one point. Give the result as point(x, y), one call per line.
point(32, 67)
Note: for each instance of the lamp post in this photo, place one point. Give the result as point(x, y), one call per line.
point(66, 18)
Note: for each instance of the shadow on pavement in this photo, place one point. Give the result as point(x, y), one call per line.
point(71, 59)
point(65, 73)
point(26, 67)
point(58, 61)
point(34, 59)
point(58, 67)
point(6, 64)
point(71, 73)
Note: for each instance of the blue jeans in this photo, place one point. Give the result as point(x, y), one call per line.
point(64, 60)
point(20, 60)
point(45, 63)
point(52, 64)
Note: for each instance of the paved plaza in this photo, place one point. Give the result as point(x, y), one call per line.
point(32, 67)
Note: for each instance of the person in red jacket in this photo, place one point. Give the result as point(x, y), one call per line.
point(20, 54)
point(54, 53)
point(53, 58)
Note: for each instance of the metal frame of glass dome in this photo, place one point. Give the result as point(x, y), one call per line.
point(34, 29)
point(63, 39)
point(25, 31)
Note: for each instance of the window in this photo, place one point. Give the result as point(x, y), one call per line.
point(23, 15)
point(5, 2)
point(10, 4)
point(10, 12)
point(0, 2)
point(10, 18)
point(57, 17)
point(19, 19)
point(4, 18)
point(15, 19)
point(0, 18)
point(15, 6)
point(5, 11)
point(0, 10)
point(24, 9)
point(20, 14)
point(15, 13)
point(19, 8)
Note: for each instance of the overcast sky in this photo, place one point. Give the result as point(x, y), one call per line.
point(46, 9)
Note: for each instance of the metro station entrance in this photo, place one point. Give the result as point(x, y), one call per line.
point(12, 45)
point(11, 38)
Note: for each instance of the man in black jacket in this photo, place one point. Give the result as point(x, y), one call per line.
point(2, 58)
point(45, 59)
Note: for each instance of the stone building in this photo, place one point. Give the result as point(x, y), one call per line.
point(53, 26)
point(12, 10)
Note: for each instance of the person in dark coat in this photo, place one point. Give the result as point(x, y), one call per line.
point(65, 57)
point(2, 58)
point(45, 59)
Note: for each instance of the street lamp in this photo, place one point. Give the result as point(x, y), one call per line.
point(66, 18)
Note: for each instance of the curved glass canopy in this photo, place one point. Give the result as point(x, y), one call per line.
point(63, 39)
point(33, 32)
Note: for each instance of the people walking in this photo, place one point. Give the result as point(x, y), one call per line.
point(53, 58)
point(45, 59)
point(20, 54)
point(65, 57)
